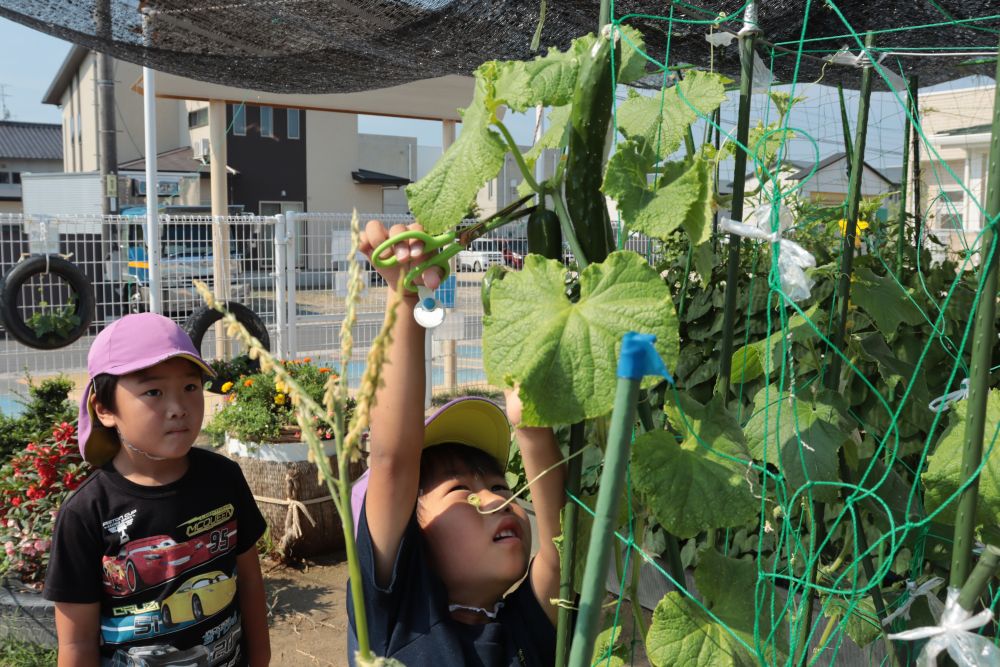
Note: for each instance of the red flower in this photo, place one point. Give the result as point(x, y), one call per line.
point(15, 501)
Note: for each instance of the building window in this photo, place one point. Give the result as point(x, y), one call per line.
point(293, 123)
point(949, 210)
point(266, 122)
point(198, 117)
point(15, 177)
point(4, 177)
point(240, 120)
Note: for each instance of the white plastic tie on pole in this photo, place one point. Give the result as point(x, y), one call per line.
point(955, 633)
point(721, 39)
point(913, 591)
point(942, 403)
point(793, 259)
point(763, 79)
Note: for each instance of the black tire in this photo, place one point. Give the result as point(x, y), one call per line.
point(196, 608)
point(10, 292)
point(200, 320)
point(166, 617)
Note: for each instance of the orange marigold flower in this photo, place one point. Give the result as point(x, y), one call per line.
point(248, 382)
point(307, 360)
point(324, 370)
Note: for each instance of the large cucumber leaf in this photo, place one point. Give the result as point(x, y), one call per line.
point(884, 301)
point(801, 435)
point(695, 485)
point(663, 120)
point(944, 469)
point(565, 354)
point(718, 576)
point(682, 197)
point(683, 634)
point(442, 198)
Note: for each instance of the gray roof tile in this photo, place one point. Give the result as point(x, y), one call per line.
point(30, 141)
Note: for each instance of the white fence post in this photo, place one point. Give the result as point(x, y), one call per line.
point(280, 285)
point(291, 227)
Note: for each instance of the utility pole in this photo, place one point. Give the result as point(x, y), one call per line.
point(4, 111)
point(106, 110)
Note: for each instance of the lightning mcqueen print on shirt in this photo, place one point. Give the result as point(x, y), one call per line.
point(154, 560)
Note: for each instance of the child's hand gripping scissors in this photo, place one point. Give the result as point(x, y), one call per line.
point(441, 248)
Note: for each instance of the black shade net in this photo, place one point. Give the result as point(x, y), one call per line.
point(333, 46)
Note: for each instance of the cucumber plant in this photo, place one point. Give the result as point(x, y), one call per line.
point(747, 489)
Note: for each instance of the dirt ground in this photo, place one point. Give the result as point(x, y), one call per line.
point(308, 612)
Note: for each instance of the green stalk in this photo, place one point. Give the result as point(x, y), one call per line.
point(567, 570)
point(976, 584)
point(979, 370)
point(845, 125)
point(748, 35)
point(901, 236)
point(633, 584)
point(850, 233)
point(516, 152)
point(568, 232)
point(598, 553)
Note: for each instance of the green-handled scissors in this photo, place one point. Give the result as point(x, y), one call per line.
point(447, 244)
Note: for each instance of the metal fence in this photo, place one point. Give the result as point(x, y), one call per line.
point(291, 270)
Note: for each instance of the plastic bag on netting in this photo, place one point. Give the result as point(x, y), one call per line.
point(954, 633)
point(793, 259)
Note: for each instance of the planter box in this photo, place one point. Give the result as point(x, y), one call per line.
point(281, 472)
point(25, 615)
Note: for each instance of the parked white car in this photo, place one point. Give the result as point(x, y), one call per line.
point(480, 255)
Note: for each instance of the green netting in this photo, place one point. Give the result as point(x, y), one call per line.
point(863, 526)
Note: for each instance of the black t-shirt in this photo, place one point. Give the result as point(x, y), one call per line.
point(409, 619)
point(161, 560)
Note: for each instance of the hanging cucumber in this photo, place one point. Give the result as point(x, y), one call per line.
point(588, 135)
point(544, 235)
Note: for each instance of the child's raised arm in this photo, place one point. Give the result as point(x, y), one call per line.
point(539, 452)
point(397, 430)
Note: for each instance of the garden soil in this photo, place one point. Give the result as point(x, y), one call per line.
point(307, 611)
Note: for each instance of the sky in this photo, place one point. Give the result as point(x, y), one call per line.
point(30, 60)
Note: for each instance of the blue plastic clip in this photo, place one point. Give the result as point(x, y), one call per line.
point(639, 358)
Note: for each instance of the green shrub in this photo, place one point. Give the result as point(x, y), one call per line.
point(45, 405)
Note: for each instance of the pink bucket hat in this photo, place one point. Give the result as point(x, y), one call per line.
point(469, 420)
point(127, 345)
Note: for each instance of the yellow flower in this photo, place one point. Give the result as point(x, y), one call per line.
point(279, 399)
point(226, 387)
point(280, 387)
point(862, 224)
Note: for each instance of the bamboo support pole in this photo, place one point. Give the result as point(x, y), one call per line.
point(911, 113)
point(599, 551)
point(567, 594)
point(918, 217)
point(984, 337)
point(748, 36)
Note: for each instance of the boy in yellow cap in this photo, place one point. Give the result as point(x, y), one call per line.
point(441, 546)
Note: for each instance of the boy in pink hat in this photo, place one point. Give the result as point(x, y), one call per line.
point(154, 555)
point(443, 572)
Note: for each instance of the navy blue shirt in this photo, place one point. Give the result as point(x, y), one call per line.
point(409, 619)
